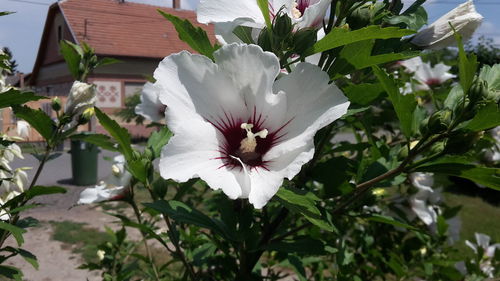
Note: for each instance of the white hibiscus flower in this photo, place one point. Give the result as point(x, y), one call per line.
point(422, 203)
point(151, 107)
point(23, 129)
point(110, 189)
point(227, 14)
point(237, 128)
point(464, 18)
point(426, 75)
point(483, 242)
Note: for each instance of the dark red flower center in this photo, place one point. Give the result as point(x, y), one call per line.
point(302, 5)
point(241, 147)
point(433, 82)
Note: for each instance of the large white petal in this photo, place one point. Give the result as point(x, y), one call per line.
point(253, 71)
point(193, 152)
point(151, 107)
point(314, 14)
point(99, 193)
point(196, 89)
point(423, 211)
point(210, 11)
point(412, 64)
point(439, 34)
point(312, 103)
point(266, 182)
point(483, 240)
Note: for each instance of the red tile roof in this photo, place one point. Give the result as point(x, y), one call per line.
point(125, 29)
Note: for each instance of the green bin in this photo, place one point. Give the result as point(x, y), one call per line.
point(83, 162)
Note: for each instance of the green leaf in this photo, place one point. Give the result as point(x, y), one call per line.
point(11, 272)
point(139, 168)
point(354, 111)
point(391, 221)
point(404, 105)
point(304, 246)
point(120, 134)
point(454, 98)
point(26, 255)
point(486, 118)
point(467, 65)
point(358, 55)
point(4, 13)
point(182, 213)
point(491, 74)
point(244, 33)
point(120, 235)
point(32, 193)
point(17, 232)
point(107, 61)
point(158, 139)
point(71, 55)
point(457, 166)
point(264, 8)
point(195, 37)
point(413, 21)
point(100, 140)
point(340, 37)
point(298, 267)
point(363, 94)
point(15, 97)
point(38, 119)
point(303, 202)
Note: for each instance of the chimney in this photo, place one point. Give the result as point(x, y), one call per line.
point(176, 4)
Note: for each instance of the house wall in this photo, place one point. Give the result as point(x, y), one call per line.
point(52, 54)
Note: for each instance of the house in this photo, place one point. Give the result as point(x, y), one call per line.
point(136, 34)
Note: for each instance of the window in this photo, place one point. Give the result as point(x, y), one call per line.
point(59, 33)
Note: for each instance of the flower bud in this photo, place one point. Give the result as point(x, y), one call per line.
point(439, 121)
point(464, 19)
point(56, 104)
point(282, 26)
point(85, 117)
point(148, 153)
point(478, 91)
point(424, 126)
point(136, 155)
point(81, 97)
point(265, 40)
point(364, 15)
point(303, 40)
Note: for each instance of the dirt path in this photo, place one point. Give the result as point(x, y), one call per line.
point(57, 262)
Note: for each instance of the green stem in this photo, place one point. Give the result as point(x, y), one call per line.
point(178, 250)
point(137, 213)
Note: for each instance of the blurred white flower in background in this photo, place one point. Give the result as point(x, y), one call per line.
point(23, 129)
point(151, 107)
point(228, 14)
point(237, 128)
point(464, 19)
point(483, 242)
point(426, 75)
point(4, 214)
point(112, 188)
point(422, 203)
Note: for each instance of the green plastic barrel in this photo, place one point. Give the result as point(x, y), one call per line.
point(84, 162)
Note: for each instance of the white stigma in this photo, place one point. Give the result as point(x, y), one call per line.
point(249, 143)
point(296, 14)
point(116, 170)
